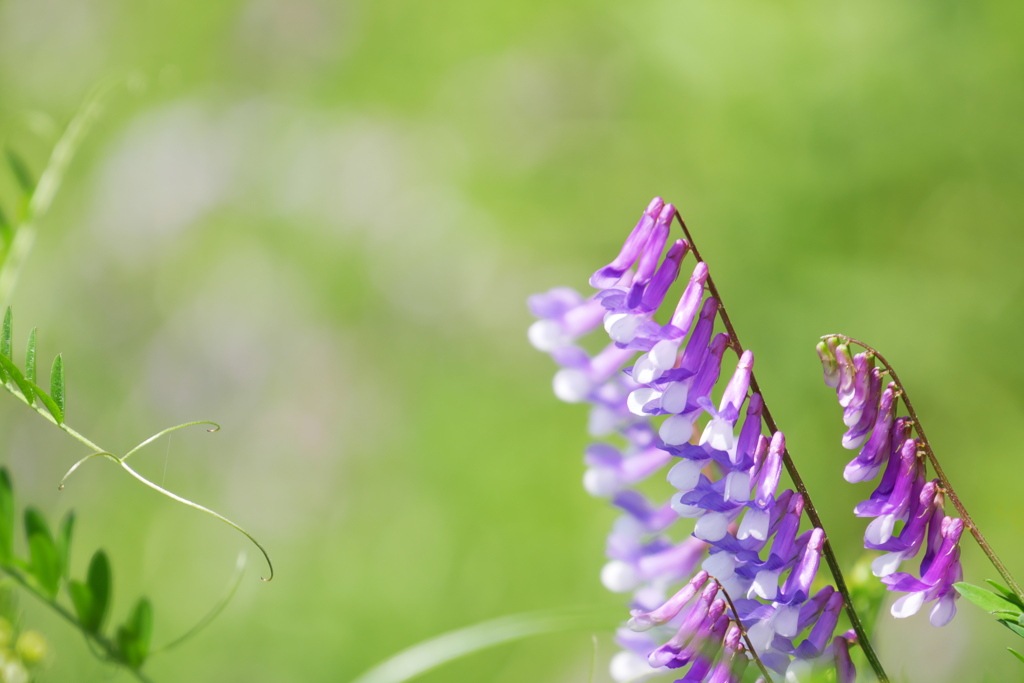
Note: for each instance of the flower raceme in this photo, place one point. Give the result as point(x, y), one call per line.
point(903, 495)
point(743, 576)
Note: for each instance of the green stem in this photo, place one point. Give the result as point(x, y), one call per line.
point(946, 485)
point(798, 482)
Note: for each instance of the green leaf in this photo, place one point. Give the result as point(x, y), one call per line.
point(6, 517)
point(5, 334)
point(1016, 654)
point(92, 598)
point(67, 527)
point(21, 172)
point(35, 523)
point(12, 372)
point(134, 637)
point(1016, 628)
point(44, 562)
point(81, 598)
point(1006, 592)
point(30, 357)
point(57, 384)
point(50, 404)
point(987, 600)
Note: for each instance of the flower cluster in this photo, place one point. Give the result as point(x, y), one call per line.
point(746, 558)
point(903, 496)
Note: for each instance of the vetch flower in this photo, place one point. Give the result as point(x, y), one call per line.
point(651, 388)
point(903, 495)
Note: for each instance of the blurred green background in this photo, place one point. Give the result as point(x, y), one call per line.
point(317, 222)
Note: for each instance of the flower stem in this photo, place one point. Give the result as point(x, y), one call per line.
point(743, 632)
point(946, 485)
point(812, 512)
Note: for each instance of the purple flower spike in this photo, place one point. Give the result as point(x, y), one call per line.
point(642, 621)
point(610, 274)
point(846, 672)
point(728, 483)
point(868, 462)
point(667, 273)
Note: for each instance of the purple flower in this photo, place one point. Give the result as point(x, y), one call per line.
point(935, 584)
point(903, 494)
point(846, 672)
point(650, 388)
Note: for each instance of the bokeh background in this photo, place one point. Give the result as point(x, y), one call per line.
point(317, 222)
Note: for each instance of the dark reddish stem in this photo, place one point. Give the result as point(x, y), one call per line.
point(798, 482)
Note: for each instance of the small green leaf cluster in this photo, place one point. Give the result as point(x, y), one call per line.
point(47, 569)
point(1002, 602)
point(23, 384)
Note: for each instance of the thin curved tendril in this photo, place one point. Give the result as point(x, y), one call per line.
point(197, 506)
point(185, 501)
point(216, 428)
point(743, 632)
point(81, 462)
point(798, 482)
point(953, 498)
point(236, 581)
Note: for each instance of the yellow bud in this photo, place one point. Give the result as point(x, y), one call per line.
point(31, 647)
